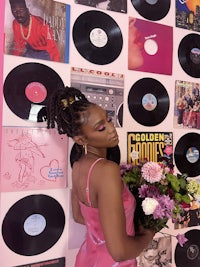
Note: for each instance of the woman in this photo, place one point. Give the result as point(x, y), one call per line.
point(100, 199)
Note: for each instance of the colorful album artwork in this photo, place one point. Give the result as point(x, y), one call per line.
point(37, 159)
point(188, 14)
point(152, 146)
point(187, 105)
point(150, 46)
point(157, 254)
point(103, 88)
point(112, 5)
point(42, 35)
point(59, 262)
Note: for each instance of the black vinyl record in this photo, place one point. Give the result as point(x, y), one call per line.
point(148, 102)
point(97, 37)
point(187, 154)
point(189, 54)
point(152, 9)
point(189, 254)
point(27, 88)
point(33, 224)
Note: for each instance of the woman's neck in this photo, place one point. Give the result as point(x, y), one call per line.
point(101, 153)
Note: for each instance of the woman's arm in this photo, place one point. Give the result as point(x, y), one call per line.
point(112, 216)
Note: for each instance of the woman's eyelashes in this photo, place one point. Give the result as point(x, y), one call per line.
point(102, 126)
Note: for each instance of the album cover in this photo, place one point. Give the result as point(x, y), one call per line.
point(157, 254)
point(188, 15)
point(150, 46)
point(37, 159)
point(47, 34)
point(187, 105)
point(104, 88)
point(59, 262)
point(112, 5)
point(151, 146)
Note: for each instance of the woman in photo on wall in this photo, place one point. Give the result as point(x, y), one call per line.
point(100, 199)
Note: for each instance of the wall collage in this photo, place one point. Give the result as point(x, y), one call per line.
point(140, 61)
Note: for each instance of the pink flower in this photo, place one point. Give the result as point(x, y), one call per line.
point(181, 239)
point(152, 172)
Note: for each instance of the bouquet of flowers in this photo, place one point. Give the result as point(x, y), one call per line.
point(160, 194)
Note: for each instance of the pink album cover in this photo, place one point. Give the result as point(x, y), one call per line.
point(33, 159)
point(150, 46)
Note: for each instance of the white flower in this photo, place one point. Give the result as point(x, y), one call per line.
point(149, 205)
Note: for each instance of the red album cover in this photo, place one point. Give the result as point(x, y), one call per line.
point(150, 46)
point(37, 159)
point(37, 29)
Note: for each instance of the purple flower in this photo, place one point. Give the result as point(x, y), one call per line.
point(148, 191)
point(152, 172)
point(181, 239)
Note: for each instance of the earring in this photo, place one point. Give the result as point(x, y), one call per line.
point(85, 149)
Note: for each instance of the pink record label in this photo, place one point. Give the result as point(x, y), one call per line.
point(36, 92)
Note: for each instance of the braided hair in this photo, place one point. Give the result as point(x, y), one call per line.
point(64, 109)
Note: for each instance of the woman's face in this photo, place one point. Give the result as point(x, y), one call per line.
point(98, 129)
point(135, 46)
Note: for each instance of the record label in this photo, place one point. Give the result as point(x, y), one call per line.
point(152, 9)
point(33, 225)
point(187, 154)
point(148, 102)
point(189, 254)
point(27, 88)
point(189, 54)
point(97, 37)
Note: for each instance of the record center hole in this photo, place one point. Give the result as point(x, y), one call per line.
point(195, 55)
point(192, 154)
point(36, 92)
point(151, 2)
point(35, 224)
point(150, 47)
point(98, 37)
point(149, 102)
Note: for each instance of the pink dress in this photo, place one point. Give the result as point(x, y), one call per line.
point(93, 252)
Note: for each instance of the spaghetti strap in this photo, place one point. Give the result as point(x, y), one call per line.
point(88, 181)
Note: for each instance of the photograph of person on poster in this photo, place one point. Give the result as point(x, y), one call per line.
point(33, 37)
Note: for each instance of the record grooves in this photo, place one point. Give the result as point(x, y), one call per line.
point(97, 37)
point(152, 9)
point(33, 224)
point(187, 154)
point(189, 54)
point(148, 102)
point(27, 88)
point(189, 254)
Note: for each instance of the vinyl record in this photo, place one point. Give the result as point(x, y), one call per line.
point(189, 54)
point(152, 9)
point(27, 88)
point(113, 153)
point(148, 102)
point(189, 254)
point(33, 225)
point(187, 154)
point(97, 37)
